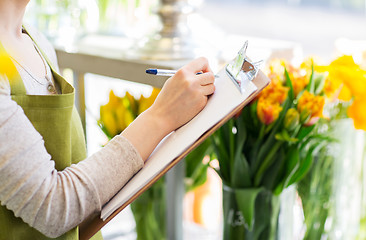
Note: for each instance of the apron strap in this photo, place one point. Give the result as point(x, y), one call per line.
point(40, 49)
point(65, 87)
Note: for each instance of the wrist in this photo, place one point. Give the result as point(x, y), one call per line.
point(145, 133)
point(158, 120)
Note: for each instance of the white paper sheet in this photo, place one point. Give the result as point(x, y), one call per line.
point(226, 97)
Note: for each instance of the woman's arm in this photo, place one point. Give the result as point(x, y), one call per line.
point(54, 201)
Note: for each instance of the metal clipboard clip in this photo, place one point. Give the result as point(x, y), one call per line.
point(241, 70)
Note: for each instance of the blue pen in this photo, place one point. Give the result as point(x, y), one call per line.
point(163, 72)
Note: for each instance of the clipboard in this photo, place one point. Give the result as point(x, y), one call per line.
point(241, 81)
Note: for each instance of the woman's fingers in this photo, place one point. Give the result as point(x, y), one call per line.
point(206, 78)
point(208, 89)
point(198, 65)
point(206, 82)
point(184, 94)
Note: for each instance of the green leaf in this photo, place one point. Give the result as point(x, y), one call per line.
point(268, 160)
point(319, 82)
point(231, 137)
point(284, 136)
point(222, 155)
point(241, 172)
point(246, 203)
point(310, 86)
point(292, 164)
point(194, 159)
point(304, 131)
point(198, 178)
point(241, 135)
point(291, 94)
point(302, 170)
point(196, 170)
point(306, 162)
point(274, 176)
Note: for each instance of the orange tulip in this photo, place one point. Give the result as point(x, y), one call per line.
point(268, 111)
point(310, 106)
point(299, 83)
point(275, 92)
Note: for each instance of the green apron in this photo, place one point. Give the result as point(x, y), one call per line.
point(56, 119)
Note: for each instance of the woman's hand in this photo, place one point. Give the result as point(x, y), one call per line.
point(183, 96)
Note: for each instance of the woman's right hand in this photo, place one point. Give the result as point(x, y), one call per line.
point(185, 94)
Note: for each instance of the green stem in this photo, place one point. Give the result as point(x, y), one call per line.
point(268, 160)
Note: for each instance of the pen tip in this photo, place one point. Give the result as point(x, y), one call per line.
point(151, 71)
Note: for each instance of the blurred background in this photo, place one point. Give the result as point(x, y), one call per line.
point(316, 25)
point(134, 34)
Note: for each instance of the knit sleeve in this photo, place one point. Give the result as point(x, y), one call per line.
point(54, 201)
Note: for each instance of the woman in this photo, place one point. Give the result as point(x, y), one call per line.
point(48, 185)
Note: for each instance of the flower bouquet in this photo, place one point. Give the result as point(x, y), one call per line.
point(269, 146)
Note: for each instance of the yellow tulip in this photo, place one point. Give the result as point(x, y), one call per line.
point(354, 79)
point(131, 103)
point(155, 92)
point(309, 62)
point(108, 120)
point(120, 112)
point(145, 103)
point(7, 66)
point(128, 118)
point(335, 89)
point(344, 61)
point(115, 115)
point(357, 112)
point(291, 120)
point(346, 79)
point(114, 101)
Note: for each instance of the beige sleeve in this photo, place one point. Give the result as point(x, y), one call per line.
point(54, 201)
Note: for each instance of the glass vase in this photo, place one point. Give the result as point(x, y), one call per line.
point(348, 177)
point(260, 204)
point(331, 193)
point(316, 193)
